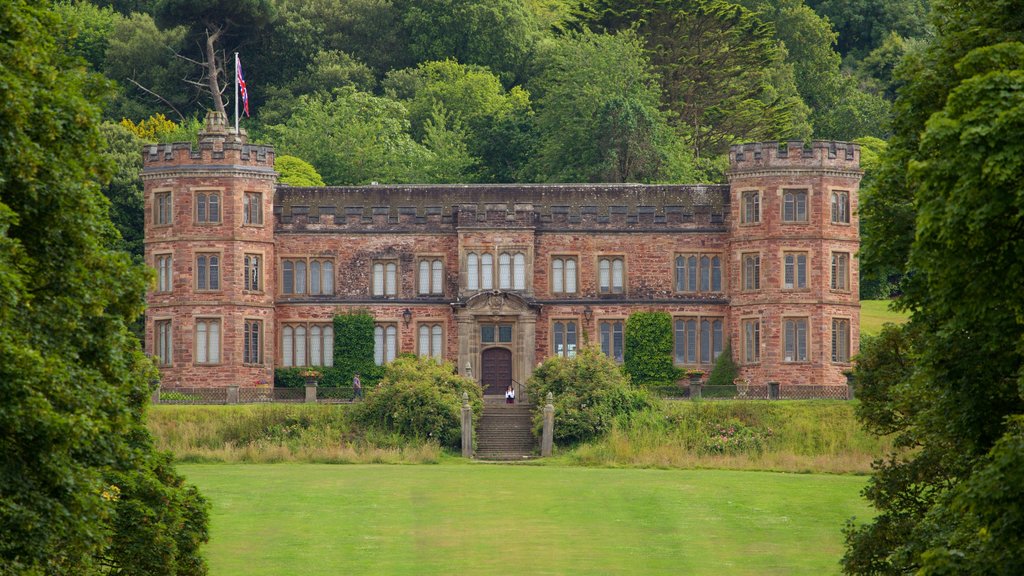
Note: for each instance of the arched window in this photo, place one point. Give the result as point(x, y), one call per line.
point(519, 271)
point(505, 271)
point(487, 272)
point(472, 271)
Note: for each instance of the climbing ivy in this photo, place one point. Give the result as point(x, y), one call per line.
point(648, 349)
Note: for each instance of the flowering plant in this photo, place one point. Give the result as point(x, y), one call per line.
point(310, 373)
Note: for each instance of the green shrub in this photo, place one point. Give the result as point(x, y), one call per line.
point(589, 393)
point(725, 371)
point(330, 376)
point(419, 398)
point(353, 347)
point(648, 349)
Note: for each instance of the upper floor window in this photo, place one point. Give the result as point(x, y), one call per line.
point(385, 279)
point(253, 272)
point(307, 345)
point(563, 275)
point(431, 341)
point(794, 340)
point(162, 213)
point(611, 273)
point(698, 340)
point(162, 342)
point(207, 207)
point(563, 338)
point(751, 340)
point(840, 340)
point(479, 271)
point(698, 272)
point(491, 333)
point(252, 339)
point(795, 273)
point(164, 268)
point(207, 272)
point(512, 271)
point(610, 332)
point(252, 208)
point(840, 207)
point(750, 207)
point(301, 275)
point(794, 206)
point(385, 343)
point(751, 271)
point(840, 271)
point(207, 341)
point(431, 276)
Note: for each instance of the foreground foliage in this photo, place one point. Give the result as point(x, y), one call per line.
point(77, 470)
point(950, 384)
point(589, 393)
point(419, 399)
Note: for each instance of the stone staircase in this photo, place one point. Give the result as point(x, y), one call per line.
point(504, 432)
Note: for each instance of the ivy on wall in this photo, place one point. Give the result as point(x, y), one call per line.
point(648, 349)
point(353, 352)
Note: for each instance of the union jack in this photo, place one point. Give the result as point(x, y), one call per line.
point(241, 86)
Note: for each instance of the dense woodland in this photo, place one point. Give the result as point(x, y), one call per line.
point(505, 90)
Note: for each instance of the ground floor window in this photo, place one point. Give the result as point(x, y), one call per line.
point(431, 341)
point(840, 340)
point(610, 332)
point(162, 351)
point(794, 336)
point(385, 343)
point(307, 345)
point(252, 349)
point(207, 341)
point(751, 340)
point(698, 340)
point(563, 338)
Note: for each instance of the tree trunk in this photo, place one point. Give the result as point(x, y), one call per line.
point(212, 72)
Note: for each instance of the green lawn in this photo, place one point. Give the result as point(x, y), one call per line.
point(309, 519)
point(874, 313)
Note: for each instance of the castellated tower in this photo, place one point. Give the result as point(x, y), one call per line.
point(793, 260)
point(209, 235)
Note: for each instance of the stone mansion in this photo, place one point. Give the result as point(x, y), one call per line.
point(498, 277)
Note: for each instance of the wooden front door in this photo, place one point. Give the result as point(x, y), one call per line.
point(496, 373)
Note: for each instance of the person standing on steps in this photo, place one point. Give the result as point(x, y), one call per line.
point(357, 386)
point(510, 395)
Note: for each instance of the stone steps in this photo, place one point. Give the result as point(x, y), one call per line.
point(505, 432)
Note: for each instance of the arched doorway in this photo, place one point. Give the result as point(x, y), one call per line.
point(496, 370)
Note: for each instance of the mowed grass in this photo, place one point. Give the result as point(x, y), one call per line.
point(310, 519)
point(875, 313)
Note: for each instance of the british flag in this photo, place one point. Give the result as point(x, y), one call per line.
point(243, 91)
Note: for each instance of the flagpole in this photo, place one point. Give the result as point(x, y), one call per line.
point(236, 93)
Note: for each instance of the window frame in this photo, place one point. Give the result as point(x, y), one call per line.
point(612, 290)
point(565, 322)
point(396, 278)
point(260, 272)
point(796, 284)
point(163, 343)
point(745, 276)
point(744, 196)
point(701, 273)
point(247, 341)
point(219, 322)
point(841, 352)
point(840, 263)
point(563, 275)
point(431, 288)
point(247, 208)
point(806, 206)
point(157, 212)
point(839, 211)
point(220, 270)
point(785, 340)
point(206, 192)
point(307, 326)
point(698, 348)
point(431, 325)
point(162, 286)
point(750, 352)
point(612, 322)
point(385, 326)
point(307, 263)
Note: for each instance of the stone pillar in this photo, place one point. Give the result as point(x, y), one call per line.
point(233, 394)
point(467, 427)
point(467, 337)
point(695, 390)
point(773, 390)
point(850, 378)
point(548, 436)
point(528, 326)
point(155, 398)
point(310, 391)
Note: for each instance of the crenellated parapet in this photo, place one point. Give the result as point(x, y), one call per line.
point(219, 148)
point(819, 155)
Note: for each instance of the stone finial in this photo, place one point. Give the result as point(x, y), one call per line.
point(216, 125)
point(550, 399)
point(465, 399)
